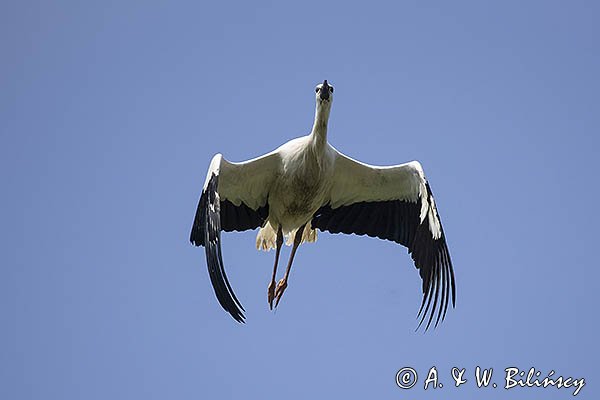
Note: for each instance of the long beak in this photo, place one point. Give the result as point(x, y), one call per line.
point(324, 95)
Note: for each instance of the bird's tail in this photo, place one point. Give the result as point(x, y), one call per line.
point(267, 237)
point(309, 235)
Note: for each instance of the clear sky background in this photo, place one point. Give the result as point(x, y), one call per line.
point(109, 116)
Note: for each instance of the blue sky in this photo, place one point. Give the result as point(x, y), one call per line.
point(109, 116)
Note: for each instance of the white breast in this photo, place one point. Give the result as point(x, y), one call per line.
point(302, 185)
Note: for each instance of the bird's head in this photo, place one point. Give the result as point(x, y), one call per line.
point(324, 94)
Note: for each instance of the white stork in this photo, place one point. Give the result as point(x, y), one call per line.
point(305, 185)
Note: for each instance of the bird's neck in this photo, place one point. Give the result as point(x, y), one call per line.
point(319, 129)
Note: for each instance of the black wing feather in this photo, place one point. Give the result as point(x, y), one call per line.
point(399, 221)
point(212, 216)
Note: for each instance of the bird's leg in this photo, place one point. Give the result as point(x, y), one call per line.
point(283, 283)
point(271, 290)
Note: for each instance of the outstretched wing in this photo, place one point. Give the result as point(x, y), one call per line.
point(234, 198)
point(393, 203)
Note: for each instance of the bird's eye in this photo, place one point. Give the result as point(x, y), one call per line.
point(331, 89)
point(316, 90)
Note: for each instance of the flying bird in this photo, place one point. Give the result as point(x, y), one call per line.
point(307, 185)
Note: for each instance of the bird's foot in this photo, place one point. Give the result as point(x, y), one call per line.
point(271, 293)
point(279, 290)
